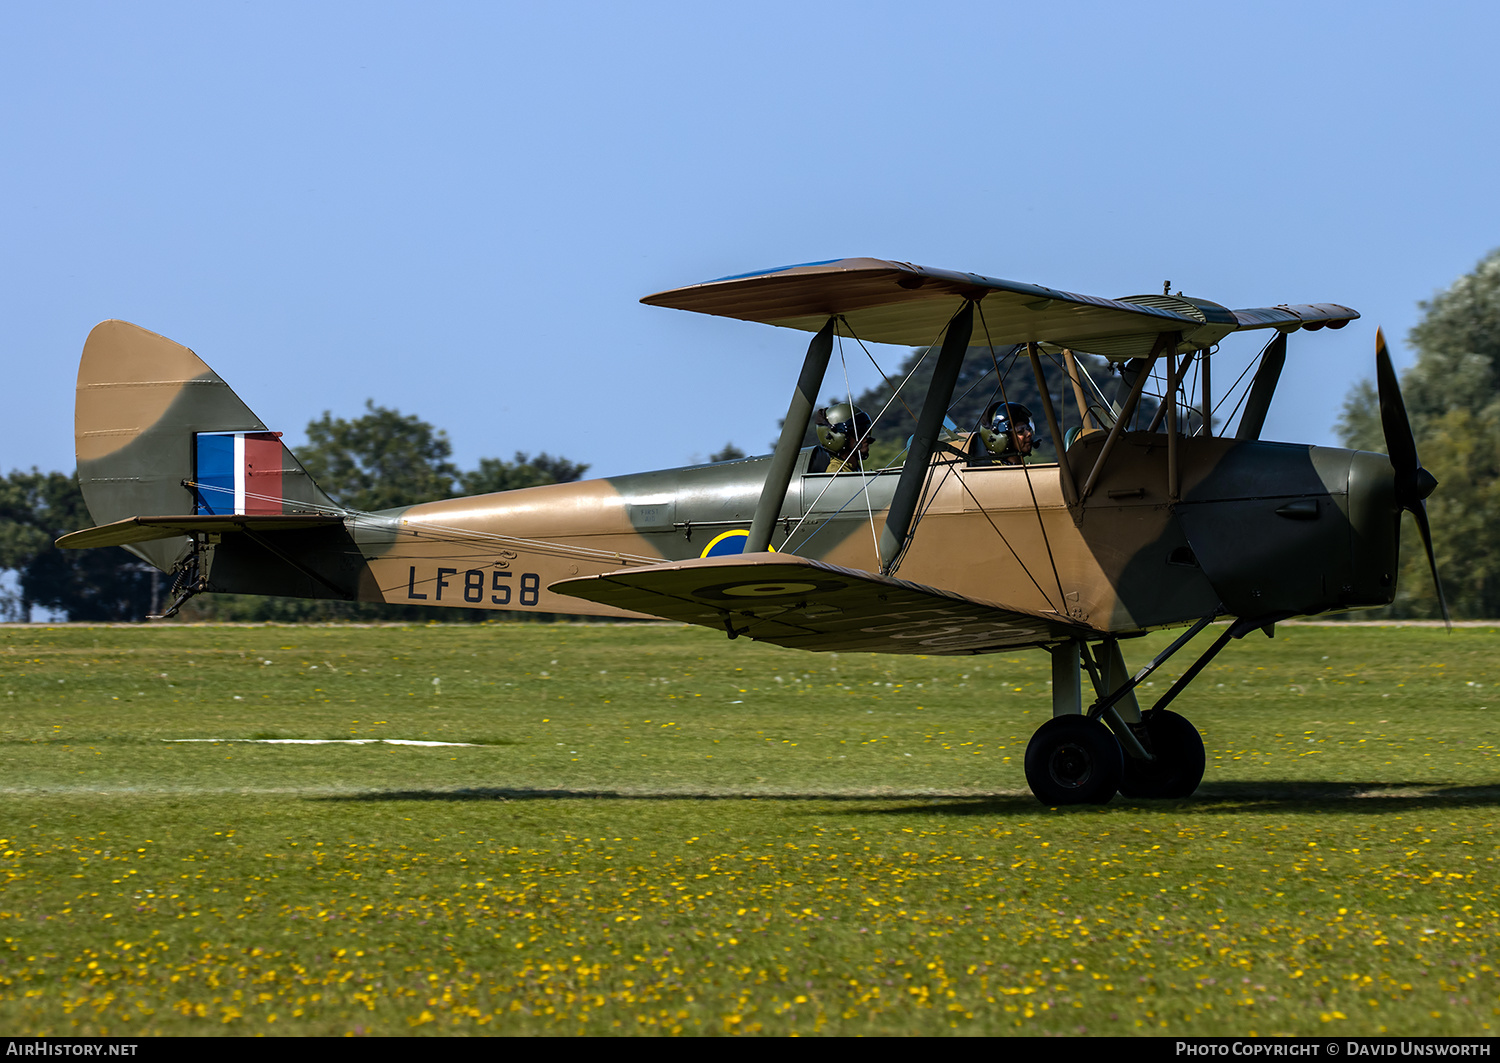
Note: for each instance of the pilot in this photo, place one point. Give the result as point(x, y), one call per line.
point(1008, 432)
point(843, 439)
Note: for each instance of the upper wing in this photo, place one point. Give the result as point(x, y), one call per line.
point(145, 529)
point(897, 302)
point(1310, 316)
point(798, 602)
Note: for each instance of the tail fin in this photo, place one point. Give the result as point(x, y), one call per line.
point(159, 433)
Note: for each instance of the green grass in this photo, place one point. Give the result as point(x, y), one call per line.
point(659, 830)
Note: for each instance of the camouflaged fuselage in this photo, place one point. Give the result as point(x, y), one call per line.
point(1260, 529)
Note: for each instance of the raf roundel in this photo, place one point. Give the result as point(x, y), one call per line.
point(766, 589)
point(730, 542)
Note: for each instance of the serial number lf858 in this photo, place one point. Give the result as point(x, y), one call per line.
point(472, 586)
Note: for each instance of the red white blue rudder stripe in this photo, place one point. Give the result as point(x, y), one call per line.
point(238, 472)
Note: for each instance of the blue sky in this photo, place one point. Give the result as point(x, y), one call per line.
point(453, 208)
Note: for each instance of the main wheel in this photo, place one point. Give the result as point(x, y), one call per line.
point(1073, 760)
point(1178, 767)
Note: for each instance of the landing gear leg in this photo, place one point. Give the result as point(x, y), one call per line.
point(1072, 759)
point(1167, 758)
point(1116, 675)
point(1067, 682)
point(1116, 706)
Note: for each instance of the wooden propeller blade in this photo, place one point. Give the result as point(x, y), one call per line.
point(1420, 512)
point(1399, 443)
point(1413, 483)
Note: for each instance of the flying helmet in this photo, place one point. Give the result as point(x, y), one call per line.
point(1000, 420)
point(839, 424)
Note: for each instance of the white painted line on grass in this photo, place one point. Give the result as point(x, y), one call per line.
point(327, 741)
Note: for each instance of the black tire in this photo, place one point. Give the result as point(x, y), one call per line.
point(1178, 767)
point(1073, 760)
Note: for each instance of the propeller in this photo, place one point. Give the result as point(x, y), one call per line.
point(1413, 483)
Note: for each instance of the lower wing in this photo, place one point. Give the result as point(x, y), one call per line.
point(798, 602)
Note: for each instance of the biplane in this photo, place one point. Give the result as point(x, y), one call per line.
point(1145, 520)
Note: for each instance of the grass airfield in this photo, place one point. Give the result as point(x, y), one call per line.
point(652, 829)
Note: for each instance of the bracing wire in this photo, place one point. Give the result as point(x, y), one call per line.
point(450, 534)
point(807, 509)
point(1105, 405)
point(929, 498)
point(1229, 392)
point(856, 339)
point(273, 499)
point(895, 395)
point(1030, 487)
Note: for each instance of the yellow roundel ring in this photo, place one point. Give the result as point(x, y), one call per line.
point(730, 542)
point(765, 590)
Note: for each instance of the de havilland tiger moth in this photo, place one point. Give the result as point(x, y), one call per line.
point(966, 544)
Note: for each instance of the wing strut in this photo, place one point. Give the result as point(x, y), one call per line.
point(929, 424)
point(1261, 390)
point(1174, 372)
point(798, 417)
point(1166, 341)
point(1069, 487)
point(1208, 404)
point(1161, 411)
point(1085, 415)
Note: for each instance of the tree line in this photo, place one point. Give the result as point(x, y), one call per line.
point(1452, 396)
point(896, 402)
point(978, 387)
